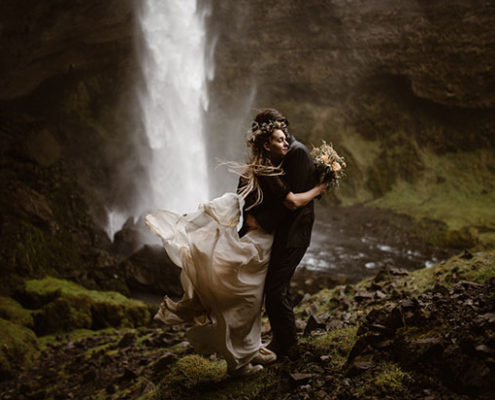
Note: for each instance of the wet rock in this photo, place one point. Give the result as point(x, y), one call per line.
point(363, 296)
point(486, 321)
point(315, 322)
point(89, 376)
point(440, 289)
point(41, 147)
point(151, 270)
point(475, 376)
point(312, 309)
point(334, 324)
point(300, 378)
point(128, 375)
point(383, 344)
point(128, 239)
point(359, 366)
point(127, 340)
point(467, 255)
point(421, 349)
point(485, 350)
point(164, 361)
point(111, 388)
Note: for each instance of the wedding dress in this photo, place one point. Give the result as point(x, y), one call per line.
point(222, 275)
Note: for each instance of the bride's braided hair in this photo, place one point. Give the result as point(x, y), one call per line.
point(259, 163)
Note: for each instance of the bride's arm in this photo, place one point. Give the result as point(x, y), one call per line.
point(251, 222)
point(293, 201)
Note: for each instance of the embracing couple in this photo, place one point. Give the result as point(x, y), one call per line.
point(227, 274)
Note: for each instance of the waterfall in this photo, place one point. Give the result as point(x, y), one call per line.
point(173, 103)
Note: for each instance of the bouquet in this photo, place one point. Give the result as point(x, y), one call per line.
point(329, 165)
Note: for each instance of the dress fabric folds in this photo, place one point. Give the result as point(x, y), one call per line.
point(222, 275)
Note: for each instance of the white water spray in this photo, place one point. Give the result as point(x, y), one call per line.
point(173, 103)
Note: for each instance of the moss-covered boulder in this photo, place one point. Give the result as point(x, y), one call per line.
point(63, 306)
point(12, 311)
point(19, 346)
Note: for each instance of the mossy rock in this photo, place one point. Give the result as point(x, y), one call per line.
point(195, 377)
point(438, 234)
point(19, 347)
point(63, 314)
point(75, 307)
point(399, 157)
point(107, 314)
point(12, 311)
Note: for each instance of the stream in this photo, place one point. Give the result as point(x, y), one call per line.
point(351, 243)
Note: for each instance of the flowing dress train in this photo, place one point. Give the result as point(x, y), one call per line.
point(222, 275)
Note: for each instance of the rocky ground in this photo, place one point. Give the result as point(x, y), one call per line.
point(429, 334)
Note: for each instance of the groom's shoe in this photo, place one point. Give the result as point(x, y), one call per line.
point(248, 369)
point(264, 356)
point(282, 351)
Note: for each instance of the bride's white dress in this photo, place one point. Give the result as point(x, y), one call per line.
point(222, 276)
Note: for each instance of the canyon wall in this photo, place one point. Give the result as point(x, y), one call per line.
point(403, 89)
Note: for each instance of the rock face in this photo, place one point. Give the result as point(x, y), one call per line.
point(67, 85)
point(389, 83)
point(41, 41)
point(321, 51)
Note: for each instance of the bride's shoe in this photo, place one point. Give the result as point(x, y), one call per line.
point(248, 369)
point(264, 356)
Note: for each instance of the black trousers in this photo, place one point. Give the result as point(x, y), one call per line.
point(283, 263)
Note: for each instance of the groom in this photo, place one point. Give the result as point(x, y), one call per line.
point(291, 240)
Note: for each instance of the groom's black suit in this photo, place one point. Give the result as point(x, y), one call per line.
point(292, 238)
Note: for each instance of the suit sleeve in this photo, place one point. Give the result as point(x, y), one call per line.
point(300, 170)
point(275, 186)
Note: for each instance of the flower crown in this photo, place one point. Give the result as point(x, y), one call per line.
point(266, 129)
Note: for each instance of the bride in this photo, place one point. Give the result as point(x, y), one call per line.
point(223, 271)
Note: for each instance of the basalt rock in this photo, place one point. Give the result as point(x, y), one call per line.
point(150, 270)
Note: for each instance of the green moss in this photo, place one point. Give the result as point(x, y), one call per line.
point(322, 300)
point(36, 251)
point(196, 369)
point(337, 343)
point(52, 285)
point(30, 254)
point(12, 311)
point(456, 188)
point(385, 378)
point(19, 347)
point(478, 269)
point(72, 306)
point(73, 336)
point(64, 314)
point(196, 377)
point(399, 158)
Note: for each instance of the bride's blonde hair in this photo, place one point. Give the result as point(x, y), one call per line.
point(259, 163)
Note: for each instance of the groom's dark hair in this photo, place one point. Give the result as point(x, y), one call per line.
point(270, 115)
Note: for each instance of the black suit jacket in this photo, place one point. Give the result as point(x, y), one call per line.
point(295, 228)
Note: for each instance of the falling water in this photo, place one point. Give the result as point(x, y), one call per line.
point(174, 102)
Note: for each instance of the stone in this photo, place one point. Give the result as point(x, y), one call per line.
point(358, 366)
point(127, 340)
point(151, 270)
point(485, 350)
point(314, 323)
point(467, 255)
point(164, 361)
point(42, 147)
point(363, 296)
point(300, 378)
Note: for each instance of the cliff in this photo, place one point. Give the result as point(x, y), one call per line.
point(403, 89)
